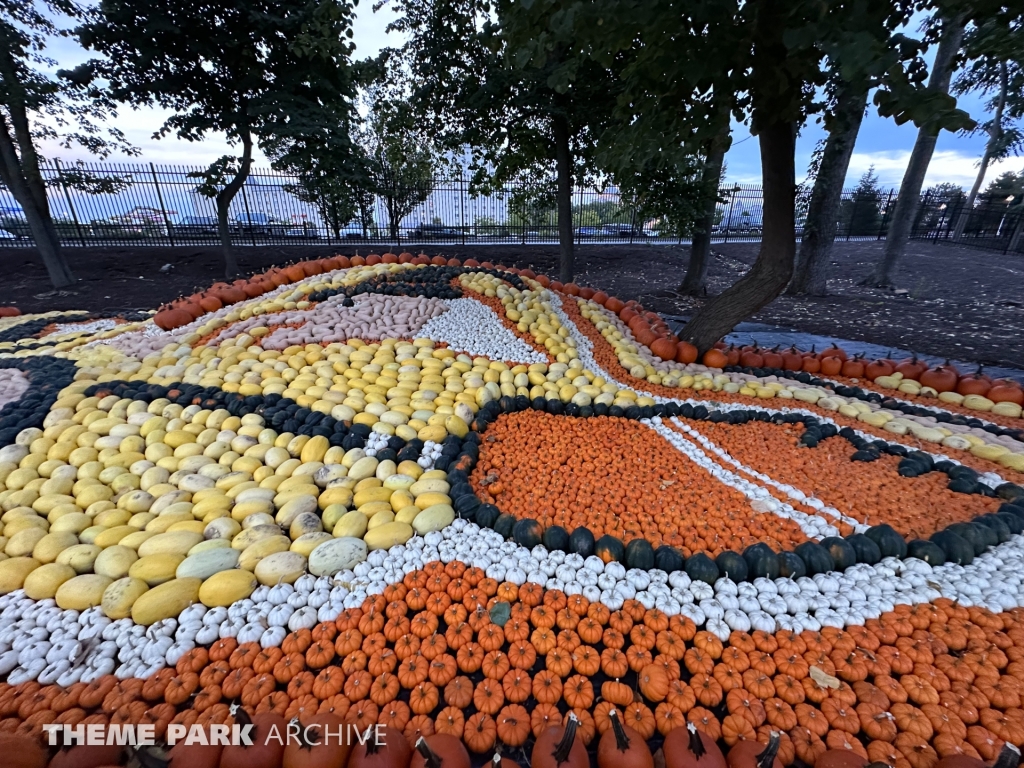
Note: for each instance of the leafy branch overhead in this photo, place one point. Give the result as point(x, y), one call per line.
point(68, 109)
point(275, 75)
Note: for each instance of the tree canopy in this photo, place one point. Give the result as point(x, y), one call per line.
point(277, 74)
point(481, 87)
point(37, 106)
point(767, 63)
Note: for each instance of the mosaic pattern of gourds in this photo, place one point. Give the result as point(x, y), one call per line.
point(510, 520)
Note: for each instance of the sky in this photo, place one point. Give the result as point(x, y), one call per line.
point(881, 144)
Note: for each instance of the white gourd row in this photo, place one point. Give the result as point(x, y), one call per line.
point(41, 642)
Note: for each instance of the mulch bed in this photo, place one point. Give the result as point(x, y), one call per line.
point(955, 302)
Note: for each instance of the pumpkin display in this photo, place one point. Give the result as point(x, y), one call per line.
point(534, 533)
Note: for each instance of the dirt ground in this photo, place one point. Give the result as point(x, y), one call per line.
point(951, 302)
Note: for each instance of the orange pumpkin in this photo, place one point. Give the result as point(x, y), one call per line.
point(715, 358)
point(264, 752)
point(686, 353)
point(691, 748)
point(622, 747)
point(941, 378)
point(1006, 391)
point(665, 348)
point(560, 746)
point(976, 383)
point(22, 752)
point(389, 749)
point(439, 750)
point(753, 754)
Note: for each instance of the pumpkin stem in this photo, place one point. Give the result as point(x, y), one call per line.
point(430, 757)
point(564, 747)
point(696, 742)
point(766, 758)
point(242, 716)
point(371, 744)
point(147, 759)
point(621, 739)
point(1008, 757)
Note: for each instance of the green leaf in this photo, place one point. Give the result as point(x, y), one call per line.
point(500, 613)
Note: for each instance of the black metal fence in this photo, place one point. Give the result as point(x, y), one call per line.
point(145, 204)
point(992, 224)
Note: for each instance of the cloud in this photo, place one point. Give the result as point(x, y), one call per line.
point(946, 166)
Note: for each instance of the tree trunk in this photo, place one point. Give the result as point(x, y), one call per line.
point(811, 271)
point(995, 133)
point(907, 202)
point(392, 205)
point(774, 266)
point(700, 246)
point(563, 195)
point(19, 171)
point(224, 198)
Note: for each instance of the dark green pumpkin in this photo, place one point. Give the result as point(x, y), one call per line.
point(487, 515)
point(928, 551)
point(504, 524)
point(668, 559)
point(996, 523)
point(1010, 491)
point(843, 555)
point(816, 558)
point(956, 548)
point(467, 506)
point(761, 561)
point(963, 485)
point(732, 566)
point(791, 566)
point(889, 541)
point(581, 541)
point(609, 549)
point(864, 548)
point(1012, 508)
point(527, 533)
point(1012, 522)
point(639, 554)
point(556, 538)
point(980, 537)
point(700, 567)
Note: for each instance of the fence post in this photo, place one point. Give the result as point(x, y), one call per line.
point(462, 207)
point(67, 196)
point(1015, 236)
point(728, 221)
point(163, 208)
point(883, 226)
